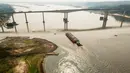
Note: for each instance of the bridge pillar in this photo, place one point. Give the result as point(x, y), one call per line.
point(44, 26)
point(123, 19)
point(105, 19)
point(65, 19)
point(2, 28)
point(14, 22)
point(26, 19)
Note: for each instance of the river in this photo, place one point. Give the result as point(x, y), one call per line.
point(54, 21)
point(92, 57)
point(73, 59)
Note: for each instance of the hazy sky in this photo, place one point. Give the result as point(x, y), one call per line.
point(55, 0)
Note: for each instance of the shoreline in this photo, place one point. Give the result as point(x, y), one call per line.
point(120, 15)
point(25, 54)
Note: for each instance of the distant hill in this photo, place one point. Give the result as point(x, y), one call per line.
point(5, 8)
point(121, 5)
point(108, 3)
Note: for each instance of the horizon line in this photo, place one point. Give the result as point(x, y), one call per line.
point(56, 1)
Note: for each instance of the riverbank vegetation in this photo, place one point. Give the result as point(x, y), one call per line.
point(24, 55)
point(5, 8)
point(121, 5)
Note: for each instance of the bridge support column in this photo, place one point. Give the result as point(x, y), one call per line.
point(14, 22)
point(105, 19)
point(123, 19)
point(26, 19)
point(44, 26)
point(65, 19)
point(2, 28)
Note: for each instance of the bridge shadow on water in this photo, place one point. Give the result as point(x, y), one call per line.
point(74, 30)
point(95, 29)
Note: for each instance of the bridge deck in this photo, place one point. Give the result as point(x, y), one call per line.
point(62, 11)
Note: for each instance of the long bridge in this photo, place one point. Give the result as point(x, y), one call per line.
point(65, 19)
point(62, 11)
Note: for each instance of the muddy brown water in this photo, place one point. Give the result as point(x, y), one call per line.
point(102, 51)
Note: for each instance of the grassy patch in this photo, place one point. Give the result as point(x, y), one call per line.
point(5, 66)
point(28, 41)
point(33, 63)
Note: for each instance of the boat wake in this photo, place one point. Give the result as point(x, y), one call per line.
point(81, 60)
